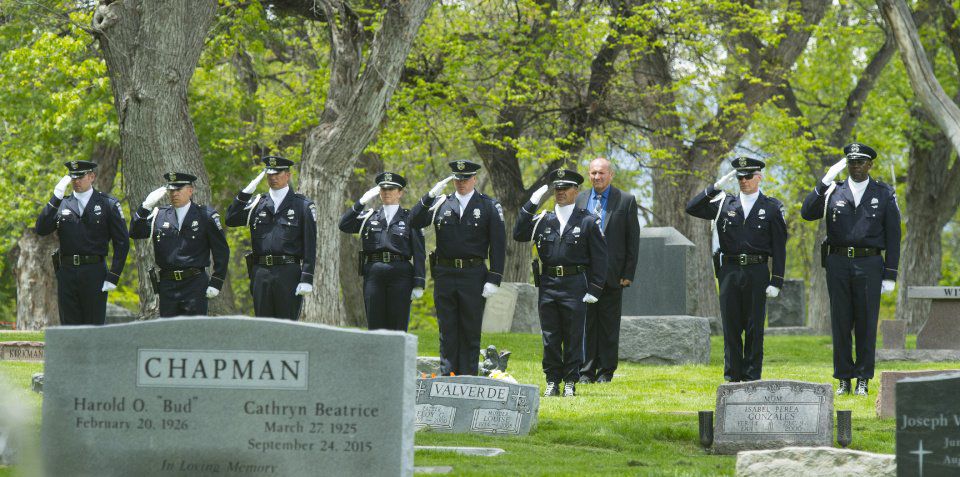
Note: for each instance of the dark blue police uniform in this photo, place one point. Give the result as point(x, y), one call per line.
point(574, 264)
point(861, 250)
point(388, 275)
point(747, 244)
point(284, 241)
point(459, 269)
point(84, 239)
point(182, 251)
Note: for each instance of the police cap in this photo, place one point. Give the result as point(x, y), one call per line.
point(79, 168)
point(747, 165)
point(390, 179)
point(176, 180)
point(563, 178)
point(855, 151)
point(276, 164)
point(464, 169)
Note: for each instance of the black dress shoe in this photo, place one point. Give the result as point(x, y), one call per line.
point(844, 387)
point(861, 387)
point(604, 378)
point(569, 390)
point(584, 380)
point(552, 389)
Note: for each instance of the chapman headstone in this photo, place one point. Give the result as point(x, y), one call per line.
point(928, 426)
point(227, 395)
point(664, 290)
point(772, 414)
point(942, 328)
point(788, 308)
point(21, 351)
point(478, 405)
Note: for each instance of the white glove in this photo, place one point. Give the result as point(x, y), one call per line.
point(303, 289)
point(61, 187)
point(439, 187)
point(252, 186)
point(107, 286)
point(588, 298)
point(154, 197)
point(725, 178)
point(212, 292)
point(834, 171)
point(772, 291)
point(538, 194)
point(417, 293)
point(489, 289)
point(887, 286)
point(369, 195)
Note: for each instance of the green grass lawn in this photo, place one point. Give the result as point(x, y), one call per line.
point(643, 423)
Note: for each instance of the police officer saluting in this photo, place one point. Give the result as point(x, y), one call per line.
point(390, 281)
point(570, 243)
point(86, 222)
point(283, 234)
point(752, 230)
point(863, 220)
point(184, 235)
point(469, 227)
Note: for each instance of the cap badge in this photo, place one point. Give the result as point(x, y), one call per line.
point(73, 165)
point(388, 177)
point(271, 162)
point(854, 147)
point(561, 173)
point(171, 177)
point(743, 162)
point(461, 166)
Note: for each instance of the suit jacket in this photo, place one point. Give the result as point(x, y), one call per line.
point(621, 228)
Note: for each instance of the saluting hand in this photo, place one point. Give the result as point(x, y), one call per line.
point(725, 178)
point(369, 195)
point(252, 186)
point(834, 171)
point(61, 187)
point(538, 194)
point(154, 197)
point(438, 187)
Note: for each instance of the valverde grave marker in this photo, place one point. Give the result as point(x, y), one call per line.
point(230, 396)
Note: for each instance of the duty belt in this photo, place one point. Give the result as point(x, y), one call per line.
point(80, 259)
point(460, 262)
point(564, 270)
point(179, 275)
point(854, 252)
point(744, 259)
point(386, 257)
point(271, 260)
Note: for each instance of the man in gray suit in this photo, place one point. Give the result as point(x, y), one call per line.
point(621, 227)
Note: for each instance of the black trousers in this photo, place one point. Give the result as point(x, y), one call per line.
point(273, 290)
point(601, 338)
point(386, 294)
point(457, 295)
point(78, 294)
point(563, 315)
point(184, 297)
point(854, 287)
point(743, 301)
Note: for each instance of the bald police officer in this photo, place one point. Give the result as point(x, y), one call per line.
point(283, 234)
point(86, 222)
point(184, 235)
point(570, 243)
point(469, 227)
point(390, 281)
point(861, 255)
point(752, 231)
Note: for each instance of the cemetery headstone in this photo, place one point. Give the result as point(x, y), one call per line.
point(21, 351)
point(499, 309)
point(526, 316)
point(227, 395)
point(887, 391)
point(942, 329)
point(789, 308)
point(473, 404)
point(665, 291)
point(928, 426)
point(894, 334)
point(772, 414)
point(665, 339)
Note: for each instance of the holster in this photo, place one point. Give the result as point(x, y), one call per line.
point(55, 256)
point(154, 279)
point(360, 257)
point(535, 266)
point(716, 264)
point(433, 261)
point(250, 259)
point(824, 249)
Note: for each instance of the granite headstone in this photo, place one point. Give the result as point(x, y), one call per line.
point(886, 405)
point(661, 286)
point(942, 328)
point(772, 414)
point(894, 334)
point(789, 308)
point(928, 426)
point(526, 314)
point(664, 339)
point(499, 309)
point(227, 395)
point(21, 351)
point(473, 404)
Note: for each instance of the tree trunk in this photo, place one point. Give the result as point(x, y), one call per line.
point(36, 283)
point(818, 300)
point(356, 102)
point(351, 284)
point(151, 49)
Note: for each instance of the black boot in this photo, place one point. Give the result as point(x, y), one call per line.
point(552, 389)
point(844, 387)
point(569, 390)
point(861, 387)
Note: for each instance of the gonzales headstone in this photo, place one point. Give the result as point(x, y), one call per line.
point(231, 396)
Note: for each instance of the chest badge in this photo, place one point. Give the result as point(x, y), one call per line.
point(374, 222)
point(841, 203)
point(65, 212)
point(548, 230)
point(446, 213)
point(97, 210)
point(762, 214)
point(289, 213)
point(731, 213)
point(476, 213)
point(195, 226)
point(166, 225)
point(262, 213)
point(576, 230)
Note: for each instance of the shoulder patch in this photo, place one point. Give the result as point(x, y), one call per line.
point(783, 212)
point(216, 220)
point(120, 211)
point(313, 211)
point(499, 210)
